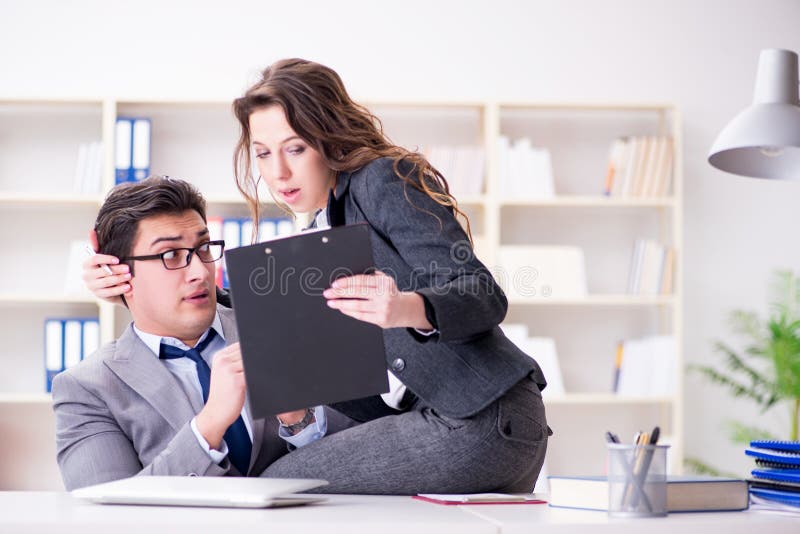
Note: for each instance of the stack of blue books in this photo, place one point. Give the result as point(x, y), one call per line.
point(776, 478)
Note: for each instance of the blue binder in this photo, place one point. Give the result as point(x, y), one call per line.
point(786, 446)
point(123, 150)
point(132, 149)
point(67, 342)
point(789, 458)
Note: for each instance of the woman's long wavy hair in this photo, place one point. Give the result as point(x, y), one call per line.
point(345, 133)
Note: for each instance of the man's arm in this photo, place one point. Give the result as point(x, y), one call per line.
point(92, 447)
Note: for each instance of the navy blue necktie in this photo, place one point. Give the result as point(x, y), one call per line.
point(236, 437)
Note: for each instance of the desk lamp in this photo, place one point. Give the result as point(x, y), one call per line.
point(763, 141)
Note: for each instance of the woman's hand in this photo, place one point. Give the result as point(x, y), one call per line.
point(105, 286)
point(374, 298)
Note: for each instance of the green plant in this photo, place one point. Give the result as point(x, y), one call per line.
point(767, 371)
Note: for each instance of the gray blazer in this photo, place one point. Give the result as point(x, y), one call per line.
point(121, 413)
point(470, 363)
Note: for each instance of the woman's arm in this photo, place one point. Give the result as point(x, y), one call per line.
point(463, 296)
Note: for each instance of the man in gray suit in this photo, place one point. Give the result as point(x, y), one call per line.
point(168, 396)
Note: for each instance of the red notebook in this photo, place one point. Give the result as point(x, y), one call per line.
point(479, 498)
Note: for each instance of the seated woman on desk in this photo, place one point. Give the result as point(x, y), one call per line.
point(465, 411)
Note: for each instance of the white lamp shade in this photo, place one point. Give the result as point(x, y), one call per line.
point(763, 141)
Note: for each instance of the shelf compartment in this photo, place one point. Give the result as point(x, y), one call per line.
point(43, 298)
point(25, 398)
point(579, 399)
point(592, 201)
point(599, 300)
point(22, 198)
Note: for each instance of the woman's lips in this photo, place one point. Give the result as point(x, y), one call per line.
point(290, 195)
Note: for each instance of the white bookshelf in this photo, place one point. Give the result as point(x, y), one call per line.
point(587, 329)
point(194, 140)
point(588, 201)
point(599, 301)
point(579, 399)
point(21, 299)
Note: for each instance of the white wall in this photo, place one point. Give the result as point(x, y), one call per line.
point(699, 54)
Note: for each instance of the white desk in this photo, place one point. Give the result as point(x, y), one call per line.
point(58, 513)
point(533, 519)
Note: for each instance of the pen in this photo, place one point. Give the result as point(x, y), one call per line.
point(643, 466)
point(91, 252)
point(611, 437)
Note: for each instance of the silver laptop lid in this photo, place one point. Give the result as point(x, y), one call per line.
point(235, 492)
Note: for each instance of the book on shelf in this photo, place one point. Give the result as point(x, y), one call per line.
point(639, 167)
point(464, 167)
point(132, 149)
point(542, 272)
point(541, 349)
point(647, 367)
point(525, 171)
point(684, 493)
point(238, 231)
point(88, 169)
point(652, 268)
point(73, 281)
point(67, 342)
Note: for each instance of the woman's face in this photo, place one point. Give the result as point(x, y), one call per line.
point(293, 170)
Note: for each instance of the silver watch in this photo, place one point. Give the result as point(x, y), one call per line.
point(294, 428)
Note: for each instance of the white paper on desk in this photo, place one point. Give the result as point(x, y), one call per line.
point(478, 497)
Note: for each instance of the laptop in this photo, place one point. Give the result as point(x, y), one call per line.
point(224, 492)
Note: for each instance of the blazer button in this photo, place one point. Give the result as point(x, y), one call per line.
point(398, 365)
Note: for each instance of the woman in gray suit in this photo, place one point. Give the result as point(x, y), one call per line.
point(465, 411)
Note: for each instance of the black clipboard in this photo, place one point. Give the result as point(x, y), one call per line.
point(298, 352)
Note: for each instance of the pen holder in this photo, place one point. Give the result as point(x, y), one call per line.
point(637, 480)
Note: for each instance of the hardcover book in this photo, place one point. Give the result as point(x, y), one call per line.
point(684, 493)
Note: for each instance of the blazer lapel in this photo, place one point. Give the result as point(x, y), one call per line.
point(336, 202)
point(140, 369)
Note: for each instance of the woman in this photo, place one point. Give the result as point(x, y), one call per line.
point(465, 412)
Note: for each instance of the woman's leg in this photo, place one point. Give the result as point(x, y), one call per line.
point(499, 449)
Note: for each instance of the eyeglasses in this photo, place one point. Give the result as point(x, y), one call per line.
point(179, 258)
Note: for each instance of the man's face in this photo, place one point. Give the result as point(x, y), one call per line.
point(175, 303)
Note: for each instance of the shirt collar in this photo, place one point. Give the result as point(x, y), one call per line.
point(336, 201)
point(321, 219)
point(154, 341)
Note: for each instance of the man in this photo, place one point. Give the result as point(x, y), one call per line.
point(167, 397)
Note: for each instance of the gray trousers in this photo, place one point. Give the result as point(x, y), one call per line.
point(500, 448)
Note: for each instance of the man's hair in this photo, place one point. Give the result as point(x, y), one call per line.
point(117, 223)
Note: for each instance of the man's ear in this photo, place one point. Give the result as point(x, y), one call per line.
point(129, 293)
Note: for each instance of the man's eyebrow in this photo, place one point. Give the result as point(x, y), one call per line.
point(161, 239)
point(201, 233)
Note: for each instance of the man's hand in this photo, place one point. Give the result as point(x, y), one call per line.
point(225, 396)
